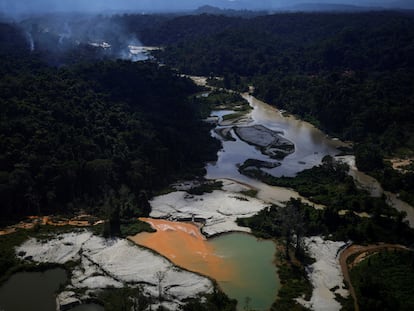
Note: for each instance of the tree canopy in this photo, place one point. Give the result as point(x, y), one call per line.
point(86, 135)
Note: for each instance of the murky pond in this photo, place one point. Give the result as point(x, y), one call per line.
point(256, 276)
point(32, 290)
point(241, 264)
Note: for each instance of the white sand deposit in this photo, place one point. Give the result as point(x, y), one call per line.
point(325, 275)
point(219, 209)
point(113, 263)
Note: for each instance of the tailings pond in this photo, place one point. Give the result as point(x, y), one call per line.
point(241, 264)
point(32, 291)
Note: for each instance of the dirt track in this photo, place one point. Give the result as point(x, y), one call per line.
point(362, 252)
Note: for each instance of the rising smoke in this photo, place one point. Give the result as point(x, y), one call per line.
point(24, 7)
point(30, 41)
point(92, 35)
point(61, 25)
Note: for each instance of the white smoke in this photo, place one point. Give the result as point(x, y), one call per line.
point(30, 40)
point(133, 51)
point(67, 33)
point(62, 33)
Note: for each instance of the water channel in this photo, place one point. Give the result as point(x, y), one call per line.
point(311, 144)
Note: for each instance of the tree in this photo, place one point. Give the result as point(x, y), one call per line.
point(368, 157)
point(291, 221)
point(112, 226)
point(160, 276)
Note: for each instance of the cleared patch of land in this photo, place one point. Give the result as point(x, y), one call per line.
point(325, 275)
point(103, 263)
point(218, 210)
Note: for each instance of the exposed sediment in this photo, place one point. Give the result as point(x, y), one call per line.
point(270, 142)
point(225, 133)
point(325, 274)
point(115, 263)
point(185, 246)
point(218, 210)
point(255, 165)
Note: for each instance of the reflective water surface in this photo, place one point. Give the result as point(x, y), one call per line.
point(32, 290)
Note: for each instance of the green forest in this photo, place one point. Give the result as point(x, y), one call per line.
point(383, 281)
point(343, 72)
point(92, 136)
point(81, 130)
point(349, 74)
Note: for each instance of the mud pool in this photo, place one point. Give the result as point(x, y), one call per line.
point(241, 264)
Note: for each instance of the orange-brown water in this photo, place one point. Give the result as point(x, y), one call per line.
point(185, 246)
point(31, 221)
point(241, 264)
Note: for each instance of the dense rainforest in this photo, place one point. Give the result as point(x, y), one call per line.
point(80, 131)
point(93, 135)
point(350, 74)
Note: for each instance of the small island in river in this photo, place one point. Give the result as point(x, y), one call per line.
point(270, 142)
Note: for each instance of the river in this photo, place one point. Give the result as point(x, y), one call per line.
point(242, 265)
point(311, 144)
point(372, 185)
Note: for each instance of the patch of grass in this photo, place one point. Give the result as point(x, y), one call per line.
point(233, 116)
point(165, 190)
point(97, 229)
point(250, 193)
point(206, 187)
point(222, 100)
point(134, 227)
